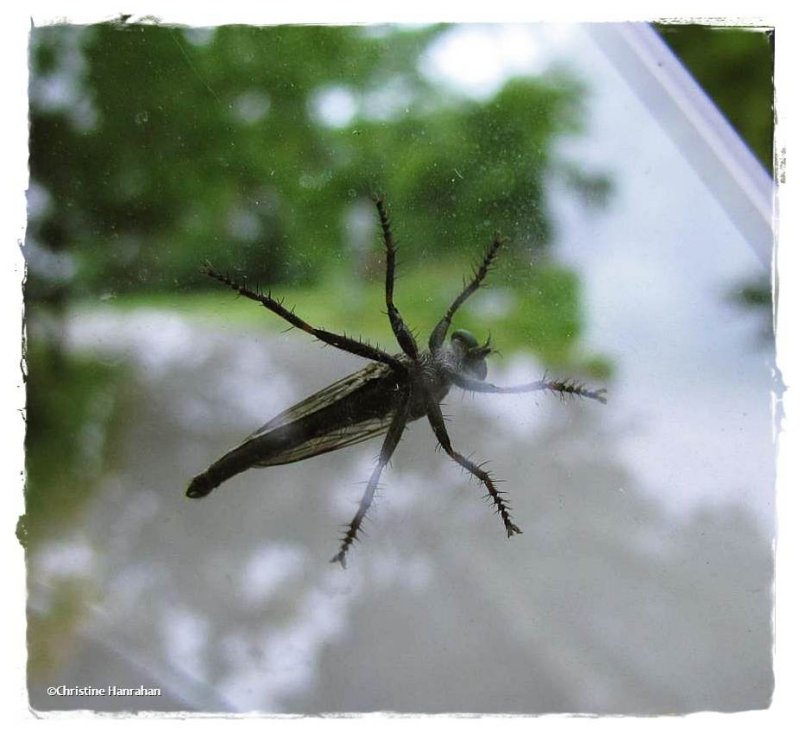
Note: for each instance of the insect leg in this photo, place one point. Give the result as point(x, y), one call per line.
point(390, 442)
point(402, 333)
point(352, 346)
point(562, 387)
point(501, 505)
point(438, 334)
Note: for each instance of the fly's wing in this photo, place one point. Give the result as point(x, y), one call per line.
point(344, 413)
point(353, 409)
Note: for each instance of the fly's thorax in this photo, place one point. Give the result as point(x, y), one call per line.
point(431, 373)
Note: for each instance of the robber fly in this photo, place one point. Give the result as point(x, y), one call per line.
point(380, 399)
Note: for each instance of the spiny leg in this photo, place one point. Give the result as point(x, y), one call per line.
point(438, 334)
point(344, 343)
point(402, 333)
point(501, 505)
point(390, 442)
point(564, 388)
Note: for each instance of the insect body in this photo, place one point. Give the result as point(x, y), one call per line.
point(382, 398)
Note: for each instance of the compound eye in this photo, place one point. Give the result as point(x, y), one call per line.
point(466, 338)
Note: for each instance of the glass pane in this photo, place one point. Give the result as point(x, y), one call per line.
point(642, 582)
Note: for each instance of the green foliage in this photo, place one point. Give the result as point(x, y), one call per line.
point(174, 146)
point(468, 169)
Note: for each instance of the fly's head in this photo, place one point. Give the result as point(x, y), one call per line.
point(469, 355)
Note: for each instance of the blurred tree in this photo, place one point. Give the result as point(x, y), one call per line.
point(154, 148)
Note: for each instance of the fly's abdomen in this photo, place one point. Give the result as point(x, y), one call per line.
point(201, 485)
point(360, 415)
point(226, 467)
point(262, 450)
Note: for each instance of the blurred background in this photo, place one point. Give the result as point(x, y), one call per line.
point(643, 580)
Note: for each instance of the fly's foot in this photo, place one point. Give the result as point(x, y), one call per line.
point(349, 537)
point(340, 558)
